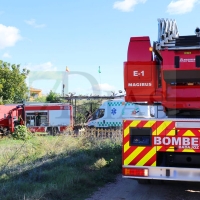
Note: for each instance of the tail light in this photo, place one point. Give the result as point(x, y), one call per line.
point(135, 172)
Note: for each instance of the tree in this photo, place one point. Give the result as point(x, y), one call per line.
point(41, 99)
point(13, 86)
point(84, 109)
point(52, 97)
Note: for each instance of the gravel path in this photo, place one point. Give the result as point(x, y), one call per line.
point(128, 189)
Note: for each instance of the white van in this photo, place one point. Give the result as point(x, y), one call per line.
point(112, 112)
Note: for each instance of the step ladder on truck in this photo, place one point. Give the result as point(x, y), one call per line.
point(168, 75)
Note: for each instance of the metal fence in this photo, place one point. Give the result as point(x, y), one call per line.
point(95, 133)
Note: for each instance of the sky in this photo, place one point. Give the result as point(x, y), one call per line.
point(84, 35)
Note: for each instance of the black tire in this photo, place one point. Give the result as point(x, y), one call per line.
point(50, 130)
point(55, 131)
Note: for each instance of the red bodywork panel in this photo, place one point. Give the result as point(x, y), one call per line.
point(138, 49)
point(47, 107)
point(174, 81)
point(165, 136)
point(52, 107)
point(140, 75)
point(10, 113)
point(181, 86)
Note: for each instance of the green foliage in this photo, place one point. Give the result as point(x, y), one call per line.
point(100, 163)
point(12, 82)
point(1, 101)
point(41, 99)
point(21, 133)
point(57, 167)
point(52, 97)
point(32, 94)
point(1, 87)
point(86, 106)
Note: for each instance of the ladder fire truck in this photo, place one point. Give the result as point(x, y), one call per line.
point(52, 118)
point(165, 75)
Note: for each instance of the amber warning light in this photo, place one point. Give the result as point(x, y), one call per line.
point(135, 172)
point(150, 48)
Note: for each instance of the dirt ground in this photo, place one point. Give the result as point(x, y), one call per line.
point(125, 189)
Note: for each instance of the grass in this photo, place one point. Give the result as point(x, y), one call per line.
point(61, 167)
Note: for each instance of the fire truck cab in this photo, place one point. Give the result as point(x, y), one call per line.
point(168, 75)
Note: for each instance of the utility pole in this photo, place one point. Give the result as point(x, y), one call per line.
point(63, 90)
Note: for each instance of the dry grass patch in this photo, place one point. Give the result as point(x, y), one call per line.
point(61, 167)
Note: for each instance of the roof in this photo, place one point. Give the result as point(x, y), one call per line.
point(35, 90)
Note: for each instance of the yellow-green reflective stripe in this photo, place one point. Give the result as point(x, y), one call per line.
point(135, 153)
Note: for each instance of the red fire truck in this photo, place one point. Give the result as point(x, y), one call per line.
point(39, 117)
point(167, 76)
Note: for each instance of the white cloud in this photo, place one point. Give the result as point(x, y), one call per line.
point(103, 88)
point(6, 55)
point(9, 35)
point(33, 23)
point(127, 5)
point(48, 66)
point(43, 76)
point(181, 6)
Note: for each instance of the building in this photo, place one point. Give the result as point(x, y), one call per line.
point(34, 93)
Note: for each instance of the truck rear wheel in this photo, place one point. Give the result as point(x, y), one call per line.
point(55, 131)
